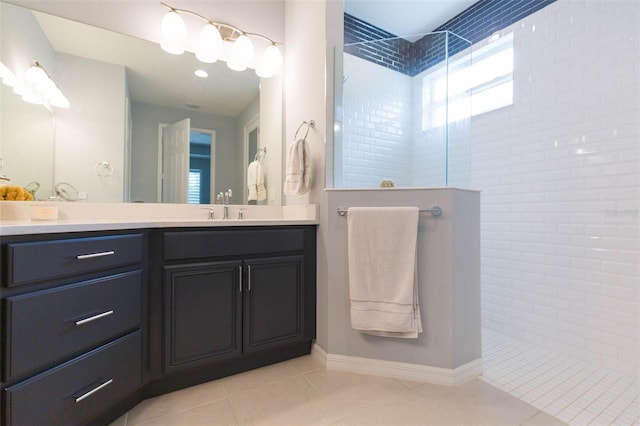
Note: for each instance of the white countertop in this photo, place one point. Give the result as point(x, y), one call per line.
point(15, 217)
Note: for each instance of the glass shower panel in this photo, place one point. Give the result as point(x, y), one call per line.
point(393, 119)
point(459, 61)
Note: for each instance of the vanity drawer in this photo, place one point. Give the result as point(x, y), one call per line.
point(79, 390)
point(43, 260)
point(46, 326)
point(202, 244)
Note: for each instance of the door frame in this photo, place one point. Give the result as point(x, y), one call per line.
point(252, 124)
point(212, 195)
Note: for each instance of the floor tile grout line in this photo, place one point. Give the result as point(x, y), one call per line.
point(602, 394)
point(560, 383)
point(572, 402)
point(153, 419)
point(537, 366)
point(625, 409)
point(593, 384)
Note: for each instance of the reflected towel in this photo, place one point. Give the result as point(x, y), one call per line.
point(298, 172)
point(382, 271)
point(255, 182)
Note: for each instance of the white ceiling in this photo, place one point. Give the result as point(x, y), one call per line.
point(405, 18)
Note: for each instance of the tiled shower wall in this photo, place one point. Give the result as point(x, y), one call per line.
point(382, 136)
point(560, 180)
point(377, 126)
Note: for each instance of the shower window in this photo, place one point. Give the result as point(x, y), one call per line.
point(489, 79)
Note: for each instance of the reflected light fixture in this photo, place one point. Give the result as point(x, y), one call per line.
point(36, 87)
point(174, 33)
point(212, 34)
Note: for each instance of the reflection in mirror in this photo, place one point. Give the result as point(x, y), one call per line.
point(123, 91)
point(28, 158)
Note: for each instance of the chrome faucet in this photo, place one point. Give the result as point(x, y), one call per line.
point(227, 196)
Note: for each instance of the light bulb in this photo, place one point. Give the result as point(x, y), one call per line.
point(210, 44)
point(270, 63)
point(59, 100)
point(241, 54)
point(174, 33)
point(35, 78)
point(30, 97)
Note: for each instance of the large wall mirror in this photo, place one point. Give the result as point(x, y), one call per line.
point(129, 101)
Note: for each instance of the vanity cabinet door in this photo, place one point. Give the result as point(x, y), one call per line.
point(202, 313)
point(274, 309)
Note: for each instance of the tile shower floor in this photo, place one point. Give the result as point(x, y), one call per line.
point(522, 385)
point(572, 391)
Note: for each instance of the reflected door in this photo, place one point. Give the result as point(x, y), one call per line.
point(175, 161)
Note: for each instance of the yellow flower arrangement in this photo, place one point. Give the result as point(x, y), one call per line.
point(14, 193)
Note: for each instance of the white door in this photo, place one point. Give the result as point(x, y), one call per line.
point(175, 162)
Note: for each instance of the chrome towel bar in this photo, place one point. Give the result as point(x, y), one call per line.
point(435, 211)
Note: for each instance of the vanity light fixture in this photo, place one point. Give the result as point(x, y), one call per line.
point(38, 88)
point(212, 34)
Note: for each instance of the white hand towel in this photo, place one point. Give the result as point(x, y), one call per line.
point(298, 172)
point(255, 182)
point(382, 271)
point(251, 182)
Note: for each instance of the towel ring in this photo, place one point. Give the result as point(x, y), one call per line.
point(311, 124)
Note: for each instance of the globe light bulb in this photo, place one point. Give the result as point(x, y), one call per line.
point(174, 33)
point(210, 44)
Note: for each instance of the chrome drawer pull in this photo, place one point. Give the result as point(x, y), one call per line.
point(240, 281)
point(94, 390)
point(249, 277)
point(93, 318)
point(92, 255)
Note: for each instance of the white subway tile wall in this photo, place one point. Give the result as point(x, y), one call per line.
point(382, 134)
point(560, 178)
point(376, 125)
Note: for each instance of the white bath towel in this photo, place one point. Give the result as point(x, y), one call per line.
point(382, 271)
point(255, 182)
point(298, 171)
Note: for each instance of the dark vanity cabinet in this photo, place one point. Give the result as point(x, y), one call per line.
point(233, 293)
point(71, 314)
point(203, 313)
point(94, 322)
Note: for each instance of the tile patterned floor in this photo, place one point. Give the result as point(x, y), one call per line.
point(522, 385)
point(570, 390)
point(302, 392)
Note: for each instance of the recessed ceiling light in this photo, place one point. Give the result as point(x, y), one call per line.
point(201, 73)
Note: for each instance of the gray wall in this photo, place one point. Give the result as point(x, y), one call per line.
point(449, 279)
point(144, 148)
point(93, 129)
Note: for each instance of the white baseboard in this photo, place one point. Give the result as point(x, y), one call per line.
point(400, 370)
